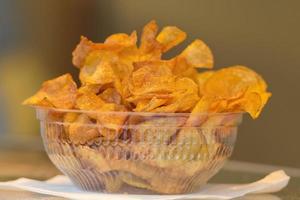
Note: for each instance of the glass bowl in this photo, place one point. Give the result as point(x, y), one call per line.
point(167, 153)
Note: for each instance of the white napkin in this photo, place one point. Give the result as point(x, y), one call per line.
point(62, 186)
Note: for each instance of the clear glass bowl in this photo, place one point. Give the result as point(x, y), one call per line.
point(168, 153)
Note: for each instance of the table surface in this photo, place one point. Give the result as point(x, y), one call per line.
point(36, 165)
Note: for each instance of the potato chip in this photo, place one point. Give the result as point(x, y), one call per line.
point(89, 101)
point(59, 92)
point(184, 97)
point(198, 55)
point(157, 131)
point(181, 68)
point(232, 82)
point(154, 77)
point(108, 134)
point(110, 95)
point(114, 43)
point(82, 130)
point(147, 105)
point(68, 119)
point(110, 117)
point(150, 48)
point(122, 39)
point(251, 102)
point(81, 51)
point(202, 78)
point(102, 73)
point(186, 94)
point(93, 88)
point(170, 36)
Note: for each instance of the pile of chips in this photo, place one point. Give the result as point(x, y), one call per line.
point(118, 75)
point(120, 78)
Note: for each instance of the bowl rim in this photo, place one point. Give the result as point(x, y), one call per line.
point(170, 114)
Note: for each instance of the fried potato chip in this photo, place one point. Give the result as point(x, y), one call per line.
point(202, 78)
point(135, 181)
point(157, 131)
point(184, 97)
point(198, 55)
point(108, 134)
point(147, 105)
point(251, 102)
point(232, 82)
point(94, 88)
point(81, 51)
point(115, 43)
point(82, 130)
point(170, 36)
point(89, 101)
point(68, 119)
point(154, 77)
point(102, 73)
point(150, 48)
point(60, 92)
point(122, 39)
point(181, 68)
point(111, 95)
point(186, 94)
point(111, 118)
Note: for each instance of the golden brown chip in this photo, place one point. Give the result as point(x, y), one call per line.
point(122, 39)
point(81, 51)
point(94, 88)
point(181, 68)
point(170, 36)
point(150, 48)
point(82, 130)
point(202, 78)
point(89, 101)
point(146, 105)
point(186, 94)
point(110, 95)
point(251, 102)
point(68, 119)
point(184, 97)
point(156, 131)
point(102, 73)
point(59, 93)
point(154, 77)
point(110, 120)
point(232, 83)
point(198, 55)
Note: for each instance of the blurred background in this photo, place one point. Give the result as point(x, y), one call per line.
point(37, 38)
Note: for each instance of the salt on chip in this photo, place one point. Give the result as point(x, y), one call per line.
point(60, 92)
point(170, 36)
